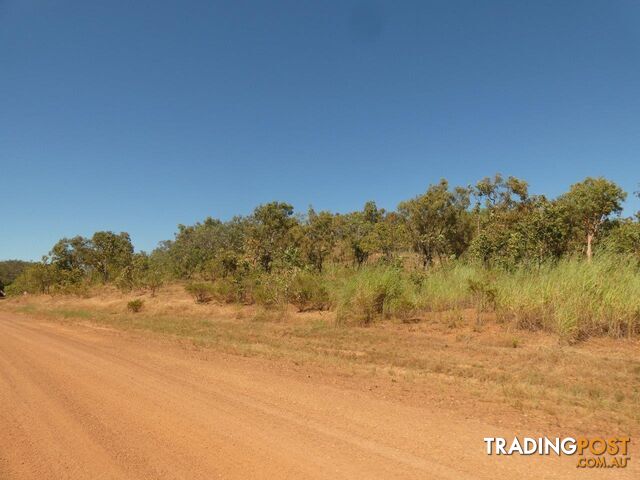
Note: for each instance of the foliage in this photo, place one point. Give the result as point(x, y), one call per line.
point(10, 270)
point(514, 233)
point(438, 222)
point(573, 298)
point(591, 202)
point(269, 235)
point(624, 238)
point(318, 238)
point(134, 306)
point(494, 247)
point(309, 292)
point(109, 253)
point(202, 292)
point(372, 293)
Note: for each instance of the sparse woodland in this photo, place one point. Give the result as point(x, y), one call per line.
point(569, 265)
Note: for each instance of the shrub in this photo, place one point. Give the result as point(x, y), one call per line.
point(230, 290)
point(224, 291)
point(308, 292)
point(202, 292)
point(152, 280)
point(271, 290)
point(135, 306)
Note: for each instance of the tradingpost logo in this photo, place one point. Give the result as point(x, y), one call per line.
point(591, 452)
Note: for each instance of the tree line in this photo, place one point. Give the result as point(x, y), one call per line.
point(10, 270)
point(497, 223)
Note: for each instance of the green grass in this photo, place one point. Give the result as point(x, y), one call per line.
point(372, 293)
point(572, 298)
point(575, 299)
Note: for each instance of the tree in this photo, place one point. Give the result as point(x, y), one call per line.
point(624, 238)
point(269, 234)
point(355, 231)
point(10, 270)
point(591, 202)
point(532, 233)
point(205, 249)
point(318, 237)
point(514, 227)
point(499, 193)
point(70, 253)
point(109, 253)
point(437, 222)
point(39, 277)
point(387, 236)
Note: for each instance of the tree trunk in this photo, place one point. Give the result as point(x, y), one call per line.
point(589, 251)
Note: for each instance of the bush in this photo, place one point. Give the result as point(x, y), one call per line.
point(271, 290)
point(152, 280)
point(308, 292)
point(231, 290)
point(224, 291)
point(201, 292)
point(135, 306)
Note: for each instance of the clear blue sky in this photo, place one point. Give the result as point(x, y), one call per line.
point(139, 115)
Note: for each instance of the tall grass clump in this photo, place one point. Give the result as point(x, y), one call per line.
point(308, 291)
point(575, 299)
point(375, 292)
point(446, 287)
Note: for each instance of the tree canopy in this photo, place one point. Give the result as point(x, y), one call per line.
point(496, 222)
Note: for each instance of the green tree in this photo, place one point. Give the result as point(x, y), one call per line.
point(10, 270)
point(270, 236)
point(438, 222)
point(39, 277)
point(318, 237)
point(504, 218)
point(624, 238)
point(501, 193)
point(387, 236)
point(71, 253)
point(109, 254)
point(207, 249)
point(355, 231)
point(591, 202)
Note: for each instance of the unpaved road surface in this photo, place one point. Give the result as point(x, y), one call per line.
point(88, 403)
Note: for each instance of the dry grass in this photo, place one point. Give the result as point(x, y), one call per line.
point(592, 386)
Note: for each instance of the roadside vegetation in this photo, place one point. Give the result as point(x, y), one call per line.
point(10, 270)
point(568, 265)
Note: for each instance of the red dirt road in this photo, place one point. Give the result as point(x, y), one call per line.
point(83, 403)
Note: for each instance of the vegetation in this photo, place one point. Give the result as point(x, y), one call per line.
point(569, 265)
point(200, 291)
point(134, 306)
point(10, 270)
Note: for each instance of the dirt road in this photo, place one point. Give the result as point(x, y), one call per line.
point(86, 403)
